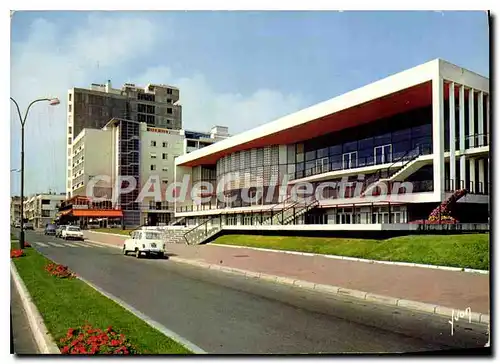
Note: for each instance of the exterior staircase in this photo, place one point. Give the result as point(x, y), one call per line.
point(201, 232)
point(413, 160)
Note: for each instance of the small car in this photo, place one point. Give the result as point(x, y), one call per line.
point(145, 242)
point(72, 232)
point(17, 224)
point(28, 226)
point(59, 230)
point(50, 229)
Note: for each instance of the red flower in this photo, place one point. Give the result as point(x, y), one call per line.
point(16, 253)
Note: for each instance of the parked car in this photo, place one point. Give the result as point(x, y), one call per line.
point(17, 224)
point(59, 230)
point(28, 226)
point(72, 232)
point(50, 229)
point(144, 242)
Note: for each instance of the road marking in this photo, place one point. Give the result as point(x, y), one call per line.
point(54, 245)
point(71, 245)
point(80, 245)
point(41, 244)
point(92, 245)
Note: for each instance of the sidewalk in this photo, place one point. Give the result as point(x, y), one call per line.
point(445, 288)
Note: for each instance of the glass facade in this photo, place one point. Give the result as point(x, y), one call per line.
point(378, 149)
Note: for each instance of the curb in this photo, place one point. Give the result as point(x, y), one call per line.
point(170, 334)
point(434, 309)
point(43, 339)
point(156, 325)
point(340, 257)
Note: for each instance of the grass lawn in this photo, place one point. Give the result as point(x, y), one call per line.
point(464, 250)
point(66, 304)
point(113, 231)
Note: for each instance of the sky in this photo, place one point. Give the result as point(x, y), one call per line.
point(238, 69)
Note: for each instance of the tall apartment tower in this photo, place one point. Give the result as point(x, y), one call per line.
point(156, 105)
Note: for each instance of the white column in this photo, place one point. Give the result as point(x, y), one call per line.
point(452, 121)
point(480, 120)
point(461, 113)
point(472, 140)
point(472, 173)
point(438, 136)
point(488, 120)
point(481, 175)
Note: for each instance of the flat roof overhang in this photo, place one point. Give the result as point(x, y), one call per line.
point(399, 102)
point(92, 213)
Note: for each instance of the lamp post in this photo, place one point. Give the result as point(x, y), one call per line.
point(53, 102)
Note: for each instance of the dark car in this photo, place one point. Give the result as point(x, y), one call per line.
point(50, 229)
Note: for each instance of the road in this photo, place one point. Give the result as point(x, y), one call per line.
point(229, 314)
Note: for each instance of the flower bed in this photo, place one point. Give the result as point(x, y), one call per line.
point(16, 253)
point(58, 270)
point(27, 245)
point(89, 340)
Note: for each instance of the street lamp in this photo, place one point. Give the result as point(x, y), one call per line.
point(53, 102)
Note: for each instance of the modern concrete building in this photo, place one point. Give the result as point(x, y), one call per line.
point(129, 148)
point(155, 105)
point(41, 209)
point(424, 130)
point(15, 209)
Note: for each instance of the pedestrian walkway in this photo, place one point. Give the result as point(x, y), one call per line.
point(66, 244)
point(445, 288)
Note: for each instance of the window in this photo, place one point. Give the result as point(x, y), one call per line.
point(310, 155)
point(169, 91)
point(165, 144)
point(69, 96)
point(336, 149)
point(45, 213)
point(321, 153)
point(191, 143)
point(69, 152)
point(164, 181)
point(152, 155)
point(153, 167)
point(153, 143)
point(69, 107)
point(165, 156)
point(169, 101)
point(69, 140)
point(70, 130)
point(45, 202)
point(169, 110)
point(164, 169)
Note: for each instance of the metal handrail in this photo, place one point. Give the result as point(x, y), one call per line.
point(197, 226)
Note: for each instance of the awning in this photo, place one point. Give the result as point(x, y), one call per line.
point(97, 213)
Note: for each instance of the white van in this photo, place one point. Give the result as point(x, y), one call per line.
point(145, 242)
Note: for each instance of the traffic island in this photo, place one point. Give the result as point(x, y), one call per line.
point(67, 305)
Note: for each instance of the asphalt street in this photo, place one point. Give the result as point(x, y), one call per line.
point(228, 314)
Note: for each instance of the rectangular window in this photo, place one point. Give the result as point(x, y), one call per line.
point(152, 155)
point(69, 97)
point(164, 169)
point(169, 91)
point(336, 149)
point(165, 145)
point(69, 107)
point(310, 156)
point(350, 147)
point(169, 101)
point(164, 181)
point(69, 140)
point(153, 167)
point(153, 143)
point(165, 156)
point(70, 130)
point(169, 110)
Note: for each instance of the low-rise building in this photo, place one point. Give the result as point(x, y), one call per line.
point(15, 209)
point(41, 209)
